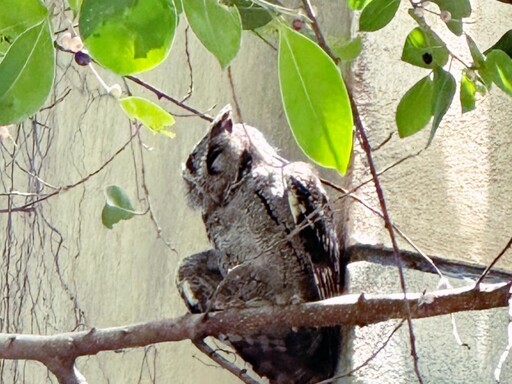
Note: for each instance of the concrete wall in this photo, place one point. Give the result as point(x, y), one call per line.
point(63, 270)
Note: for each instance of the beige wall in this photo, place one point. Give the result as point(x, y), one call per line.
point(452, 200)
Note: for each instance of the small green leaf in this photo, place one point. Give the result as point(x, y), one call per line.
point(478, 57)
point(75, 6)
point(252, 15)
point(357, 5)
point(348, 50)
point(458, 9)
point(499, 67)
point(467, 93)
point(19, 15)
point(315, 100)
point(117, 206)
point(504, 43)
point(128, 36)
point(377, 14)
point(425, 49)
point(26, 74)
point(148, 113)
point(415, 108)
point(219, 28)
point(444, 90)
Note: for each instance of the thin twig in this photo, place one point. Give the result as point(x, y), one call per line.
point(163, 95)
point(505, 249)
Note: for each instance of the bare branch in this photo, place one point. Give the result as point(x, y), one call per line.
point(505, 249)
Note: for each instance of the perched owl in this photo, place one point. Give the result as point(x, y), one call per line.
point(274, 243)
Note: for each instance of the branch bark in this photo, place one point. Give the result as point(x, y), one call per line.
point(58, 352)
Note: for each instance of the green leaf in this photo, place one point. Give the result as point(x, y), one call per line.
point(478, 57)
point(499, 67)
point(75, 6)
point(357, 5)
point(467, 93)
point(377, 14)
point(26, 74)
point(128, 36)
point(504, 43)
point(19, 15)
point(117, 206)
point(348, 50)
point(425, 49)
point(315, 100)
point(458, 9)
point(219, 28)
point(252, 15)
point(148, 113)
point(444, 90)
point(415, 108)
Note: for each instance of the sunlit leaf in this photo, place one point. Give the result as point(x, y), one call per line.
point(349, 50)
point(75, 6)
point(315, 100)
point(467, 93)
point(128, 36)
point(377, 14)
point(219, 28)
point(117, 206)
point(499, 67)
point(458, 9)
point(424, 48)
point(415, 108)
point(151, 115)
point(26, 74)
point(443, 92)
point(17, 16)
point(504, 43)
point(252, 15)
point(357, 5)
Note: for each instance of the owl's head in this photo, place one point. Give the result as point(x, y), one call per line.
point(220, 161)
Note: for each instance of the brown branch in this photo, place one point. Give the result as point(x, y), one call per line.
point(59, 351)
point(163, 95)
point(503, 251)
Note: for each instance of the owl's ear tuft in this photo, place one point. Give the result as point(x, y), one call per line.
point(223, 122)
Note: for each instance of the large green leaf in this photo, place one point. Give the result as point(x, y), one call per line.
point(315, 100)
point(26, 74)
point(424, 48)
point(128, 36)
point(377, 14)
point(444, 90)
point(16, 16)
point(415, 108)
point(499, 67)
point(219, 28)
point(117, 206)
point(154, 117)
point(458, 9)
point(467, 93)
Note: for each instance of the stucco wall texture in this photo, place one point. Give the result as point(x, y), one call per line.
point(452, 200)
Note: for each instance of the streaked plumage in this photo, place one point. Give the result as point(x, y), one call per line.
point(274, 243)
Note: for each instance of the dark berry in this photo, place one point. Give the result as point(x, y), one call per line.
point(82, 58)
point(297, 24)
point(427, 58)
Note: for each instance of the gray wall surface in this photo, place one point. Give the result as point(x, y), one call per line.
point(61, 270)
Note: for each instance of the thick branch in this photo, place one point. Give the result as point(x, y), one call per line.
point(348, 309)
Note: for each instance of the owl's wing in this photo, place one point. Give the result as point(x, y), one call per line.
point(315, 227)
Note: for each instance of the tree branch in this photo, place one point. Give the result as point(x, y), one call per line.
point(58, 352)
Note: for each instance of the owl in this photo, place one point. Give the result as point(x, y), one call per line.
point(273, 243)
